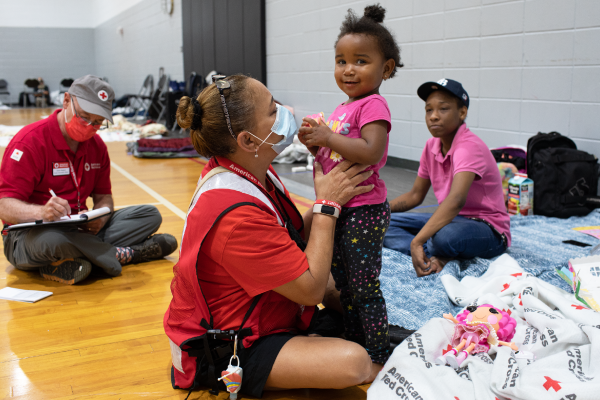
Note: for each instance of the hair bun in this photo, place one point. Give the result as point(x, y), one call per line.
point(375, 12)
point(197, 119)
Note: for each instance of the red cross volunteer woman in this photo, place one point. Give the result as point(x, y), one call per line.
point(48, 171)
point(251, 268)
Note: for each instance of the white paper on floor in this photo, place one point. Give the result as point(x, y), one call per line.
point(26, 296)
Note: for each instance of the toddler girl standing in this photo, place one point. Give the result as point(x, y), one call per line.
point(365, 54)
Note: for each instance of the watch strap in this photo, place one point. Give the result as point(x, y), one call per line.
point(326, 209)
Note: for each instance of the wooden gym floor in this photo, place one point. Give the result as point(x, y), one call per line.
point(103, 338)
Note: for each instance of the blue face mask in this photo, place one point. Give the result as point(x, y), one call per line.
point(284, 125)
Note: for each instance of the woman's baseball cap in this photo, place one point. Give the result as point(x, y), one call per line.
point(448, 85)
point(94, 95)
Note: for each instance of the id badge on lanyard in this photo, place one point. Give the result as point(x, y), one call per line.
point(76, 180)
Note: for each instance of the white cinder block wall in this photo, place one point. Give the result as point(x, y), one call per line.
point(528, 65)
point(50, 53)
point(151, 39)
point(71, 38)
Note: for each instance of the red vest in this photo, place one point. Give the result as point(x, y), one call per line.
point(183, 321)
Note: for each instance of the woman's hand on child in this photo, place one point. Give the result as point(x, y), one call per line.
point(315, 134)
point(342, 182)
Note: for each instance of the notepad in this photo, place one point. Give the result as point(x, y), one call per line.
point(25, 296)
point(68, 220)
point(88, 215)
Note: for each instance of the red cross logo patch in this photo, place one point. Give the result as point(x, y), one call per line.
point(551, 383)
point(578, 307)
point(102, 95)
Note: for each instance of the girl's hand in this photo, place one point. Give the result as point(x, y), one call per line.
point(304, 129)
point(316, 134)
point(421, 262)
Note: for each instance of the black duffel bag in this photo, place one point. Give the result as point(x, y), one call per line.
point(565, 179)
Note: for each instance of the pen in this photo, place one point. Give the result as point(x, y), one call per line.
point(54, 195)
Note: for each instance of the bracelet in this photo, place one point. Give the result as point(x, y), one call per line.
point(326, 209)
point(329, 203)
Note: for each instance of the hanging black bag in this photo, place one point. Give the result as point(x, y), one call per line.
point(565, 179)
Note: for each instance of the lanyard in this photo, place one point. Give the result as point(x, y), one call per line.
point(236, 169)
point(76, 181)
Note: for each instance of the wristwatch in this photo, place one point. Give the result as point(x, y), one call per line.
point(325, 209)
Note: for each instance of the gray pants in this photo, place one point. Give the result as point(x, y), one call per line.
point(30, 249)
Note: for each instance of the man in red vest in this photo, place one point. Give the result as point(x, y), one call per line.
point(48, 171)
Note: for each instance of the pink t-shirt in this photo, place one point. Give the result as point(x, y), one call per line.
point(468, 153)
point(348, 120)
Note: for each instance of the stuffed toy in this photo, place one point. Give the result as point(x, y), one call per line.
point(478, 327)
point(317, 117)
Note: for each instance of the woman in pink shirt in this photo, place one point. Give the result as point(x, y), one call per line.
point(471, 220)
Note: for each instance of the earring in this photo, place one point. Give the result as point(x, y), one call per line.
point(256, 153)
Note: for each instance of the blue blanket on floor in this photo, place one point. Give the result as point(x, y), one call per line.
point(536, 245)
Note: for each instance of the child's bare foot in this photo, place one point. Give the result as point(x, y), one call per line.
point(438, 263)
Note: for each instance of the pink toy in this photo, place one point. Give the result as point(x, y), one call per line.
point(476, 329)
point(317, 117)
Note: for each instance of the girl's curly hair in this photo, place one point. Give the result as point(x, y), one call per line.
point(371, 24)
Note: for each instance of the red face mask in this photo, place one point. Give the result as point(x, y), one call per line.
point(78, 129)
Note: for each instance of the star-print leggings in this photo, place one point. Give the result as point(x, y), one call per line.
point(356, 265)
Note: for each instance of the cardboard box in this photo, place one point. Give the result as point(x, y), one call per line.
point(520, 195)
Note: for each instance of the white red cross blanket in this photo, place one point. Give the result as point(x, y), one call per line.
point(558, 340)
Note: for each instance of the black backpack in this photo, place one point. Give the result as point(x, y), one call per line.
point(565, 180)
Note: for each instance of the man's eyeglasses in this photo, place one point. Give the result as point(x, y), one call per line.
point(87, 121)
point(222, 83)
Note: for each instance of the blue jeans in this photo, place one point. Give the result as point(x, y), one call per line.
point(462, 238)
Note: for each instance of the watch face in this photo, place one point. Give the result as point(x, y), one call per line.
point(328, 210)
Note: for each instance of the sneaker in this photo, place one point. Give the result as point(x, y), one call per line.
point(456, 361)
point(155, 247)
point(441, 360)
point(68, 271)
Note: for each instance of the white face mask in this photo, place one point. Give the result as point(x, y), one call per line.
point(284, 125)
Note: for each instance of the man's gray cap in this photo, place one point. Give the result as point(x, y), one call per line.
point(94, 96)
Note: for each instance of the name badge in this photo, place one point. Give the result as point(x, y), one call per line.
point(60, 168)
